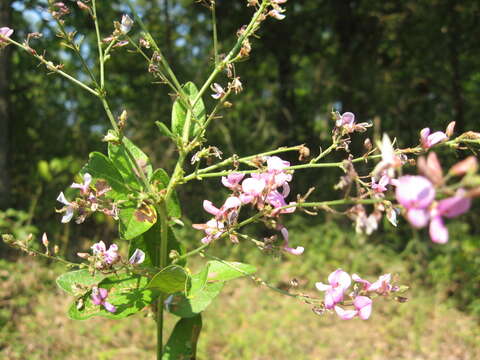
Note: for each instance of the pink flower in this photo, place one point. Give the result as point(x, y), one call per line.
point(276, 164)
point(381, 286)
point(109, 256)
point(68, 208)
point(251, 188)
point(346, 120)
point(415, 192)
point(363, 309)
point(450, 207)
point(381, 186)
point(232, 181)
point(232, 203)
point(219, 91)
point(427, 140)
point(294, 251)
point(87, 179)
point(213, 229)
point(277, 14)
point(339, 281)
point(126, 24)
point(5, 32)
point(137, 257)
point(99, 296)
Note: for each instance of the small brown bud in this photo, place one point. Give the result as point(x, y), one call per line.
point(401, 299)
point(303, 152)
point(367, 144)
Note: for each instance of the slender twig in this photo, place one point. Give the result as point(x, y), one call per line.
point(99, 45)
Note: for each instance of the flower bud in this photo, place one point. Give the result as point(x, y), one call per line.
point(45, 240)
point(83, 255)
point(83, 6)
point(450, 129)
point(468, 165)
point(367, 144)
point(431, 168)
point(304, 153)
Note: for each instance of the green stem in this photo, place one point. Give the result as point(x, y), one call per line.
point(214, 29)
point(99, 45)
point(50, 66)
point(162, 263)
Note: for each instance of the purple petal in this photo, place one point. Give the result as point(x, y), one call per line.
point(348, 118)
point(364, 306)
point(436, 138)
point(322, 287)
point(454, 206)
point(339, 278)
point(418, 218)
point(210, 208)
point(415, 192)
point(232, 202)
point(294, 251)
point(61, 198)
point(438, 231)
point(137, 257)
point(109, 307)
point(68, 215)
point(345, 314)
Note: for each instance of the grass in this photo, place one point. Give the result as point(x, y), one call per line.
point(245, 322)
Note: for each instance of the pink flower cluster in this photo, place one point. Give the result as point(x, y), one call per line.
point(92, 199)
point(428, 139)
point(417, 195)
point(268, 188)
point(104, 259)
point(338, 283)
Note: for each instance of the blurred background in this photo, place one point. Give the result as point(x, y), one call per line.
point(403, 65)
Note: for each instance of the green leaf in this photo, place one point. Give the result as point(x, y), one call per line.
point(160, 179)
point(76, 279)
point(199, 281)
point(164, 130)
point(179, 111)
point(122, 161)
point(225, 271)
point(102, 168)
point(134, 221)
point(188, 307)
point(149, 243)
point(126, 292)
point(182, 343)
point(169, 280)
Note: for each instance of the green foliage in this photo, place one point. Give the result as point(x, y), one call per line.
point(169, 280)
point(161, 179)
point(206, 285)
point(120, 156)
point(182, 343)
point(179, 111)
point(73, 281)
point(135, 220)
point(102, 168)
point(126, 292)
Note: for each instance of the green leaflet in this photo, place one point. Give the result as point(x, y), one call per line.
point(179, 111)
point(76, 279)
point(182, 343)
point(126, 292)
point(102, 168)
point(134, 221)
point(170, 280)
point(123, 163)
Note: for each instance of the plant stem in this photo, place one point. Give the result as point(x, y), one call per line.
point(162, 263)
point(214, 29)
point(99, 45)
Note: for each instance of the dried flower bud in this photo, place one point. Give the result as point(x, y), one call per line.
point(468, 165)
point(450, 129)
point(144, 43)
point(83, 6)
point(367, 144)
point(294, 283)
point(227, 104)
point(122, 119)
point(401, 299)
point(303, 152)
point(83, 255)
point(56, 250)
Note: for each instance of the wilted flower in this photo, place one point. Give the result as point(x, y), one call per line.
point(99, 296)
point(213, 230)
